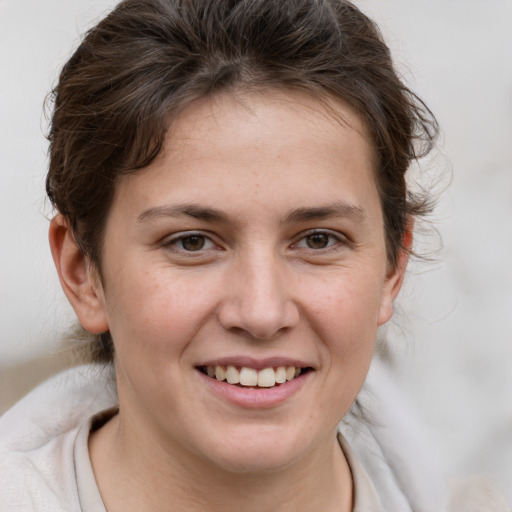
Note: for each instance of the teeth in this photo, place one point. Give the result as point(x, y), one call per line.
point(281, 375)
point(266, 378)
point(232, 375)
point(220, 373)
point(248, 377)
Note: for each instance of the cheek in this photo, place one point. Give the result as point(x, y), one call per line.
point(347, 325)
point(156, 310)
point(345, 314)
point(350, 302)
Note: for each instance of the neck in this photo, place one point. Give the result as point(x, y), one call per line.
point(135, 469)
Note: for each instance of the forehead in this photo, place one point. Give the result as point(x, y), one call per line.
point(239, 117)
point(266, 147)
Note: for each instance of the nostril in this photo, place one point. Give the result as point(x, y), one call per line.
point(257, 326)
point(259, 306)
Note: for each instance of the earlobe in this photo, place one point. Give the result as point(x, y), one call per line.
point(79, 282)
point(395, 278)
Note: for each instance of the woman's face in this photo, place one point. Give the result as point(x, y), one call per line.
point(255, 241)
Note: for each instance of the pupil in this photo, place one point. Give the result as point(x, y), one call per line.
point(193, 242)
point(318, 241)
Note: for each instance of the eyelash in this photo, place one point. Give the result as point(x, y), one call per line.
point(183, 237)
point(333, 241)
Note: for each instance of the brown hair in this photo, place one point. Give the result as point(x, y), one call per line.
point(133, 72)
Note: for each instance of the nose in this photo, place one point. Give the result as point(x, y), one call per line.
point(258, 298)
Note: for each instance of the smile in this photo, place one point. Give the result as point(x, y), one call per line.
point(250, 377)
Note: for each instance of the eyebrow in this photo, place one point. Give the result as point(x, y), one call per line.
point(192, 210)
point(337, 209)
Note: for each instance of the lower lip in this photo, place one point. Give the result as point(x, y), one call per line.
point(255, 398)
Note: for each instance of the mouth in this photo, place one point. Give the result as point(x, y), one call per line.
point(247, 377)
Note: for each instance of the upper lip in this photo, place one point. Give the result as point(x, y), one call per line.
point(256, 363)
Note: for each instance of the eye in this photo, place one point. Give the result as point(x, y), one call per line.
point(190, 242)
point(193, 242)
point(318, 240)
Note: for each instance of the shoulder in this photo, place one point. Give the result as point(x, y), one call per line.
point(37, 438)
point(477, 494)
point(378, 488)
point(56, 406)
point(394, 451)
point(391, 446)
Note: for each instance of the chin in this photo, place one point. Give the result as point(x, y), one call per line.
point(261, 449)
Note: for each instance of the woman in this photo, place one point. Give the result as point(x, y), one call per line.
point(233, 225)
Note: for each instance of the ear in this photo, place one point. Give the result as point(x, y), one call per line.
point(395, 277)
point(79, 281)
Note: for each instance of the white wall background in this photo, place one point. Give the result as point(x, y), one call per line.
point(454, 351)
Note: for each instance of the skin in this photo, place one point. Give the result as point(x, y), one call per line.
point(269, 168)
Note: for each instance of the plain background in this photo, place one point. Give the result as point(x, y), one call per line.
point(451, 343)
